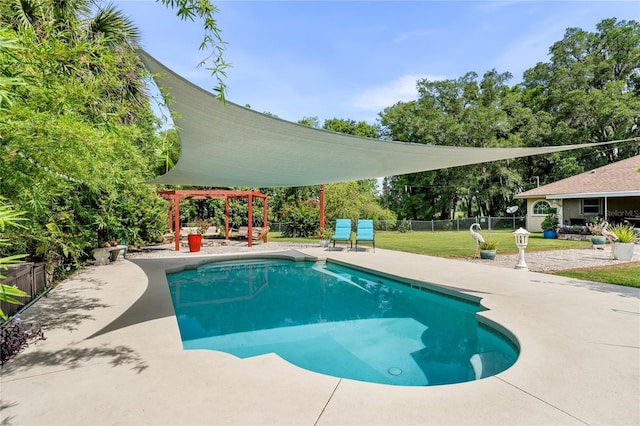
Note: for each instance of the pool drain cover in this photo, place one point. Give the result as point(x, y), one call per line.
point(395, 371)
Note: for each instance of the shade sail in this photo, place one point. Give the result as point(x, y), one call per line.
point(226, 145)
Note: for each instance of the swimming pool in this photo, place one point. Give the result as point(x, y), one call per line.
point(338, 321)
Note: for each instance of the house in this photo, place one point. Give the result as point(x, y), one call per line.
point(611, 192)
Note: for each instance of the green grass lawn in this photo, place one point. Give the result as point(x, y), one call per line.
point(626, 274)
point(452, 244)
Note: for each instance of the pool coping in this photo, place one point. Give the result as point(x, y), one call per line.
point(114, 356)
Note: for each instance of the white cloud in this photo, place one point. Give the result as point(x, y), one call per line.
point(400, 37)
point(401, 89)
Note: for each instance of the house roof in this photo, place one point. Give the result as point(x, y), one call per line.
point(226, 145)
point(620, 179)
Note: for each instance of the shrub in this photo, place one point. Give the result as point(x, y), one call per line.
point(15, 337)
point(328, 232)
point(302, 218)
point(200, 226)
point(550, 222)
point(595, 227)
point(625, 233)
point(404, 226)
point(488, 245)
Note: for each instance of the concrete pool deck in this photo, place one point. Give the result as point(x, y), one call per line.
point(113, 355)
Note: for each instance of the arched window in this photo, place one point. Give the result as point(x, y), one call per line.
point(541, 208)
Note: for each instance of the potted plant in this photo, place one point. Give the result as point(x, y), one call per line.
point(550, 224)
point(595, 228)
point(324, 241)
point(624, 245)
point(487, 249)
point(195, 235)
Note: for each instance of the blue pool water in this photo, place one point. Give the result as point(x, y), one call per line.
point(337, 321)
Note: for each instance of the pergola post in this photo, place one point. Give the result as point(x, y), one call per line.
point(264, 219)
point(250, 214)
point(322, 211)
point(226, 218)
point(170, 218)
point(176, 209)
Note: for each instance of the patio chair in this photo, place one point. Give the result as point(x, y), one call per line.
point(365, 232)
point(260, 232)
point(211, 232)
point(242, 232)
point(342, 232)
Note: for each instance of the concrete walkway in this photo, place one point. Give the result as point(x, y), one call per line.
point(113, 355)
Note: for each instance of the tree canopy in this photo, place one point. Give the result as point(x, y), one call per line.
point(587, 92)
point(77, 133)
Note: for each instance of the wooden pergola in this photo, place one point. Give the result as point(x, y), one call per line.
point(174, 197)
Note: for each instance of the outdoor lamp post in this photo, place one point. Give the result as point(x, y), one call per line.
point(522, 239)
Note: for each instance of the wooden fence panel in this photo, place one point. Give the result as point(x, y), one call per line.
point(29, 277)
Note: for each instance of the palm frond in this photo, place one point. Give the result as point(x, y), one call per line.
point(113, 26)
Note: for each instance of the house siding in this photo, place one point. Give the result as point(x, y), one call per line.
point(620, 181)
point(570, 211)
point(535, 220)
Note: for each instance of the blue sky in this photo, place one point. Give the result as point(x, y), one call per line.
point(351, 59)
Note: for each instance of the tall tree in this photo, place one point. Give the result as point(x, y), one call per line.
point(588, 92)
point(351, 127)
point(459, 112)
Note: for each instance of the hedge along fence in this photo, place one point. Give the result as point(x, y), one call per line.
point(486, 222)
point(29, 277)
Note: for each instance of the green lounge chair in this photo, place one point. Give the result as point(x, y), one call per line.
point(365, 232)
point(342, 232)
